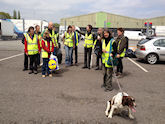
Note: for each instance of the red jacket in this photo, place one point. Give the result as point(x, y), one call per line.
point(25, 43)
point(47, 49)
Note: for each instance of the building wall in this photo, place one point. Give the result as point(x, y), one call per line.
point(81, 21)
point(100, 19)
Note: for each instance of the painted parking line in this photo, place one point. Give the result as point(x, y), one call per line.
point(137, 65)
point(11, 57)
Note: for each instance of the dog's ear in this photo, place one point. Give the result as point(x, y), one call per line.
point(124, 100)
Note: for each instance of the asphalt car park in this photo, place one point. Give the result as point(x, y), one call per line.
point(74, 95)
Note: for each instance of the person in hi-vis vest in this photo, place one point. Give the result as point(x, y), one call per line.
point(121, 43)
point(47, 49)
point(68, 41)
point(76, 38)
point(32, 48)
point(109, 48)
point(88, 45)
point(38, 33)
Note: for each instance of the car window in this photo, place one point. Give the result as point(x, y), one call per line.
point(157, 43)
point(143, 41)
point(160, 43)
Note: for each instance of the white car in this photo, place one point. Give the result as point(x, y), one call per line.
point(151, 49)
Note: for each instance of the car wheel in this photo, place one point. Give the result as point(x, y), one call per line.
point(152, 58)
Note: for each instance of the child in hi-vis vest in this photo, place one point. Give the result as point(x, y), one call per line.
point(47, 48)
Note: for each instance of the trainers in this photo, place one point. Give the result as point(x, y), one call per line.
point(35, 72)
point(43, 76)
point(50, 75)
point(84, 67)
point(97, 68)
point(108, 89)
point(103, 85)
point(31, 72)
point(25, 69)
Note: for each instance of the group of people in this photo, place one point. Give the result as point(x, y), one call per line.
point(105, 46)
point(39, 45)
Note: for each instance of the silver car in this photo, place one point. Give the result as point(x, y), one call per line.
point(151, 49)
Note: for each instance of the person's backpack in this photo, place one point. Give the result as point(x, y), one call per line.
point(130, 53)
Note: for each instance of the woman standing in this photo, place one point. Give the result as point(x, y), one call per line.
point(69, 43)
point(107, 43)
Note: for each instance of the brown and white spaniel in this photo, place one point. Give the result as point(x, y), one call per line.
point(119, 102)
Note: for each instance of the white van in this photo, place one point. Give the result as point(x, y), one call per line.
point(134, 35)
point(62, 30)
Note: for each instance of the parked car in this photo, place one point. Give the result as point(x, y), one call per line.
point(151, 49)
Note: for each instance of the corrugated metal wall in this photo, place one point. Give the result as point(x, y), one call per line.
point(99, 19)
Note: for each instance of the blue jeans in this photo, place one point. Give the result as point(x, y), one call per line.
point(45, 67)
point(68, 55)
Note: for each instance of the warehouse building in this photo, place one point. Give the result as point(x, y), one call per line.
point(103, 19)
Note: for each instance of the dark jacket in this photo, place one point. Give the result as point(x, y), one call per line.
point(123, 43)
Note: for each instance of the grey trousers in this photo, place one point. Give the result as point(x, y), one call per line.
point(107, 80)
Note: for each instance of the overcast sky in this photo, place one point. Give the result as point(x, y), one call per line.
point(54, 10)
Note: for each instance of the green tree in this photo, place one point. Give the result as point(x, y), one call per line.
point(56, 25)
point(4, 15)
point(14, 14)
point(19, 15)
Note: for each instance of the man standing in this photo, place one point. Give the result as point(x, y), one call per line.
point(25, 56)
point(121, 49)
point(88, 45)
point(76, 38)
point(32, 48)
point(38, 33)
point(56, 41)
point(98, 47)
point(52, 34)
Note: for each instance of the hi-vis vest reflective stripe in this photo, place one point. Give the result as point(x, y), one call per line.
point(118, 47)
point(88, 41)
point(32, 45)
point(40, 39)
point(76, 38)
point(45, 53)
point(105, 56)
point(55, 39)
point(69, 39)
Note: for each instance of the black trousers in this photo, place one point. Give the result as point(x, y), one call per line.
point(33, 62)
point(98, 58)
point(38, 59)
point(87, 54)
point(25, 61)
point(76, 55)
point(120, 65)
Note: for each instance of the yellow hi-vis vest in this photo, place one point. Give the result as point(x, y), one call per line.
point(88, 43)
point(105, 56)
point(53, 37)
point(40, 39)
point(45, 53)
point(32, 45)
point(118, 47)
point(76, 38)
point(69, 39)
point(55, 41)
